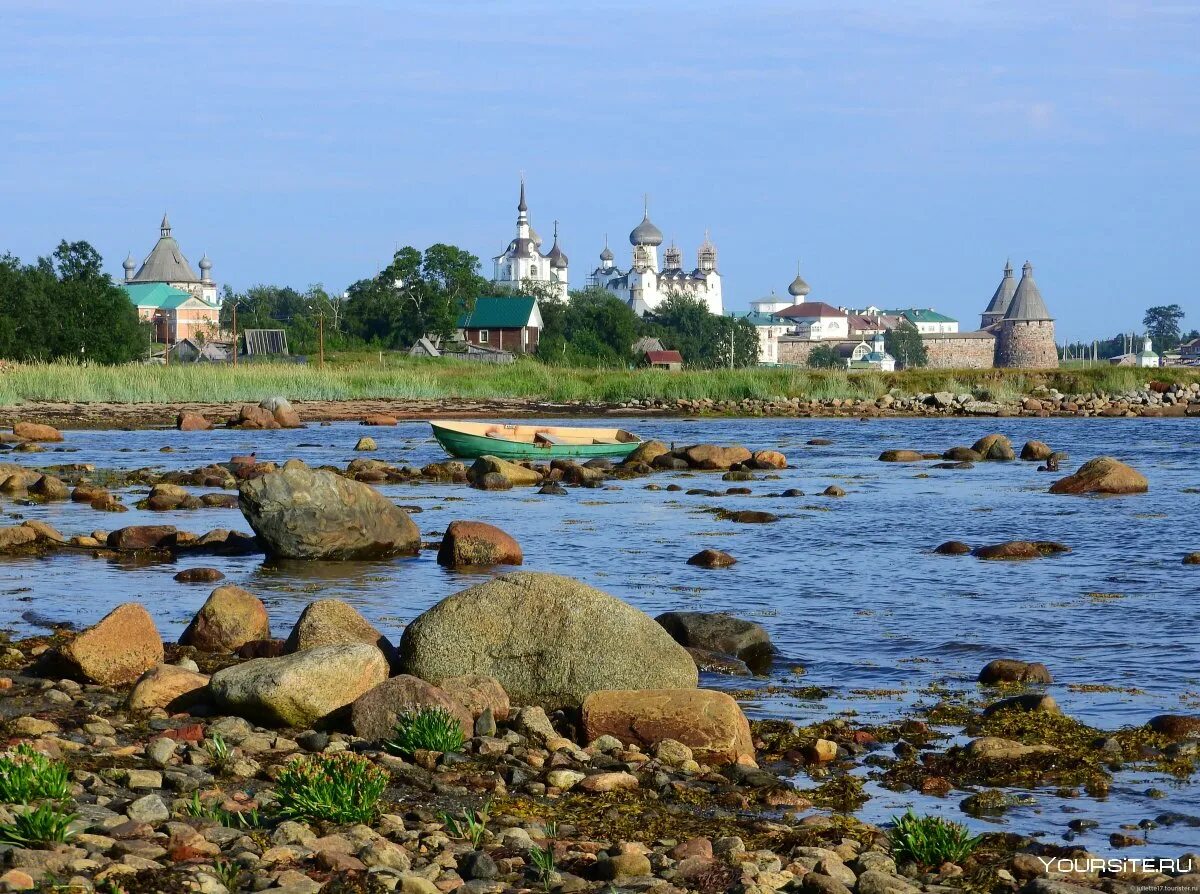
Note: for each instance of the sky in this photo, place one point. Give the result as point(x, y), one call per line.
point(899, 150)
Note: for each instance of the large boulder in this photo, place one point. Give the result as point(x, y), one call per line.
point(714, 457)
point(35, 431)
point(301, 689)
point(229, 619)
point(901, 456)
point(476, 544)
point(188, 421)
point(299, 513)
point(169, 687)
point(516, 475)
point(994, 447)
point(718, 632)
point(282, 411)
point(769, 459)
point(1102, 475)
point(478, 693)
point(374, 714)
point(647, 452)
point(331, 622)
point(1020, 549)
point(708, 722)
point(549, 640)
point(142, 537)
point(250, 416)
point(1035, 451)
point(1011, 670)
point(119, 648)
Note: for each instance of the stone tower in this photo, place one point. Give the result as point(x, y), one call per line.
point(1001, 299)
point(1025, 336)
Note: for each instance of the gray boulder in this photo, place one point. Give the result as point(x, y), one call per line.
point(299, 513)
point(302, 689)
point(330, 622)
point(718, 632)
point(549, 640)
point(374, 714)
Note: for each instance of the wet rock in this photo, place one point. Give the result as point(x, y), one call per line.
point(478, 694)
point(820, 751)
point(168, 687)
point(994, 748)
point(477, 544)
point(282, 412)
point(491, 481)
point(720, 632)
point(668, 462)
point(647, 452)
point(86, 492)
point(117, 649)
point(952, 548)
point(549, 640)
point(379, 419)
point(552, 489)
point(33, 431)
point(708, 722)
point(254, 417)
point(713, 457)
point(994, 447)
point(1036, 451)
point(1010, 670)
point(365, 443)
point(749, 516)
point(1020, 549)
point(1192, 559)
point(17, 539)
point(445, 471)
point(833, 491)
point(301, 689)
point(329, 622)
point(962, 455)
point(769, 459)
point(954, 466)
point(1176, 726)
point(142, 537)
point(719, 663)
point(199, 576)
point(299, 513)
point(374, 714)
point(229, 618)
point(1102, 475)
point(712, 558)
point(188, 421)
point(261, 648)
point(50, 488)
point(1028, 703)
point(515, 475)
point(901, 456)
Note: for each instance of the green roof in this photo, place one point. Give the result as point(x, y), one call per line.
point(498, 312)
point(158, 294)
point(921, 315)
point(758, 318)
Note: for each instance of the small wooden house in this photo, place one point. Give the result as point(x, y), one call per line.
point(670, 360)
point(503, 323)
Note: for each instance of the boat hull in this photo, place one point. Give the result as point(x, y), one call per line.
point(470, 446)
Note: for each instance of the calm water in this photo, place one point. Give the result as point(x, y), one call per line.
point(848, 588)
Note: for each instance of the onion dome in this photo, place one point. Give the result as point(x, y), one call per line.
point(130, 265)
point(607, 254)
point(799, 288)
point(205, 268)
point(646, 233)
point(556, 256)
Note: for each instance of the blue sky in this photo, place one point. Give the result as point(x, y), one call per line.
point(902, 150)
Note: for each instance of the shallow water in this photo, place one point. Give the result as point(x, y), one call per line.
point(848, 588)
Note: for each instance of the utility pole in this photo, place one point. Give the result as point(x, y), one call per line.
point(732, 329)
point(235, 333)
point(321, 341)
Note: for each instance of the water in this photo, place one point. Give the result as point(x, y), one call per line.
point(848, 588)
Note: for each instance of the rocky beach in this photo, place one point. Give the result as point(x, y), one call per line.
point(286, 655)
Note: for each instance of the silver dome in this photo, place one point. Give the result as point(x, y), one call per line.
point(799, 288)
point(646, 233)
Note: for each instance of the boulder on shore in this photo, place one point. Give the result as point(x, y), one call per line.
point(477, 544)
point(1036, 451)
point(253, 417)
point(549, 640)
point(379, 419)
point(282, 411)
point(331, 622)
point(1176, 726)
point(229, 618)
point(710, 723)
point(35, 431)
point(962, 455)
point(299, 690)
point(1010, 670)
point(901, 456)
point(769, 459)
point(1102, 475)
point(166, 686)
point(712, 558)
point(117, 649)
point(994, 447)
point(952, 548)
point(188, 421)
point(647, 452)
point(142, 537)
point(719, 632)
point(299, 513)
point(516, 475)
point(374, 714)
point(714, 457)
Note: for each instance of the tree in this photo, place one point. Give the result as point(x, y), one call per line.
point(825, 357)
point(684, 322)
point(906, 345)
point(1162, 324)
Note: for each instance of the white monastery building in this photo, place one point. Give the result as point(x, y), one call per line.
point(523, 261)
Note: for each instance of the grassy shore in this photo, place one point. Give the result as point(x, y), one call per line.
point(398, 377)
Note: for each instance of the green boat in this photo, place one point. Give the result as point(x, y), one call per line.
point(474, 439)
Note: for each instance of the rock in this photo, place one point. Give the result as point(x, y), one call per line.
point(329, 622)
point(514, 474)
point(1028, 703)
point(477, 544)
point(117, 649)
point(50, 488)
point(818, 442)
point(749, 517)
point(647, 452)
point(600, 783)
point(621, 867)
point(1176, 726)
point(284, 413)
point(552, 489)
point(901, 456)
point(769, 459)
point(994, 447)
point(299, 513)
point(821, 751)
point(1035, 451)
point(168, 687)
point(1009, 670)
point(668, 462)
point(719, 663)
point(719, 632)
point(1192, 559)
point(199, 576)
point(952, 548)
point(253, 417)
point(142, 537)
point(962, 455)
point(833, 491)
point(478, 694)
point(564, 779)
point(302, 689)
point(712, 558)
point(532, 721)
point(379, 419)
point(1020, 549)
point(374, 714)
point(1102, 475)
point(713, 457)
point(477, 865)
point(33, 431)
point(708, 722)
point(17, 538)
point(229, 618)
point(492, 481)
point(148, 809)
point(549, 640)
point(993, 748)
point(188, 421)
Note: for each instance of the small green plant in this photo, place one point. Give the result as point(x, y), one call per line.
point(339, 788)
point(233, 819)
point(227, 873)
point(48, 823)
point(473, 825)
point(930, 840)
point(219, 752)
point(27, 775)
point(428, 729)
point(543, 861)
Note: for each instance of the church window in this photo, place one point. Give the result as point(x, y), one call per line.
point(533, 270)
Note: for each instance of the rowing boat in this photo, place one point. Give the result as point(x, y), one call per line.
point(474, 439)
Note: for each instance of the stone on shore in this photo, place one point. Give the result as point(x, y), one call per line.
point(719, 632)
point(282, 411)
point(1176, 726)
point(374, 714)
point(549, 640)
point(516, 475)
point(1102, 475)
point(712, 558)
point(994, 447)
point(478, 694)
point(952, 548)
point(119, 648)
point(142, 537)
point(35, 431)
point(1035, 451)
point(254, 417)
point(708, 722)
point(229, 618)
point(302, 689)
point(331, 622)
point(188, 421)
point(169, 687)
point(477, 544)
point(901, 456)
point(299, 513)
point(365, 443)
point(1010, 670)
point(994, 748)
point(50, 488)
point(647, 452)
point(379, 419)
point(1029, 703)
point(962, 455)
point(714, 457)
point(769, 459)
point(17, 539)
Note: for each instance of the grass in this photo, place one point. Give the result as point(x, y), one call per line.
point(401, 377)
point(48, 823)
point(426, 729)
point(341, 788)
point(232, 819)
point(27, 775)
point(929, 840)
point(471, 827)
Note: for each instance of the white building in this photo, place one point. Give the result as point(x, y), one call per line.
point(523, 260)
point(769, 327)
point(872, 356)
point(644, 285)
point(1146, 357)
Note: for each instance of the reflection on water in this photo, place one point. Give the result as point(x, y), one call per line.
point(848, 587)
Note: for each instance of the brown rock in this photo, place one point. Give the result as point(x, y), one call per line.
point(712, 558)
point(86, 492)
point(379, 419)
point(714, 457)
point(229, 619)
point(199, 576)
point(473, 543)
point(901, 456)
point(374, 714)
point(118, 649)
point(769, 459)
point(1102, 475)
point(166, 686)
point(952, 548)
point(46, 533)
point(1176, 726)
point(820, 751)
point(994, 447)
point(1035, 451)
point(1192, 559)
point(188, 421)
point(599, 783)
point(478, 693)
point(33, 431)
point(962, 455)
point(250, 416)
point(750, 517)
point(516, 475)
point(833, 491)
point(1009, 670)
point(50, 488)
point(708, 722)
point(1019, 549)
point(647, 452)
point(329, 622)
point(17, 539)
point(1029, 703)
point(141, 537)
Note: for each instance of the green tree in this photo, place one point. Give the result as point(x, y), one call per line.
point(905, 344)
point(685, 323)
point(1163, 325)
point(825, 357)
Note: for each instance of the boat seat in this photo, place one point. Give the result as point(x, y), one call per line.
point(605, 441)
point(560, 439)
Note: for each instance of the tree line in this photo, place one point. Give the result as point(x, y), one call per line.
point(1162, 323)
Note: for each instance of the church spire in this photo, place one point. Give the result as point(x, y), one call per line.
point(521, 206)
point(164, 229)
